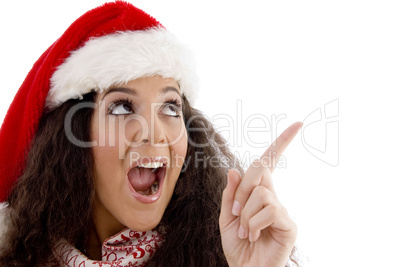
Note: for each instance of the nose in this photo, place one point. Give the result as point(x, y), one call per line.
point(150, 129)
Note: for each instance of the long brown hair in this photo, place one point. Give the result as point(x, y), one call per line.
point(53, 197)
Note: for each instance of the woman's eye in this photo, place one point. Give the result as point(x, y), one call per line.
point(120, 109)
point(171, 109)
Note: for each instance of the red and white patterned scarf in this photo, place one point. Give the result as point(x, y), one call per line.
point(127, 248)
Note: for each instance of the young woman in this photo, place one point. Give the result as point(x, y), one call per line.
point(104, 162)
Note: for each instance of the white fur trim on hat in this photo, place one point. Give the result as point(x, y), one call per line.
point(118, 58)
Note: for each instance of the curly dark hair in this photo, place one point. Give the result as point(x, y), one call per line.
point(56, 187)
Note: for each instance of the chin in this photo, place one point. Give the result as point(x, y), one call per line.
point(141, 227)
point(145, 222)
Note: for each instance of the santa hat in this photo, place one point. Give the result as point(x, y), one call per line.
point(109, 45)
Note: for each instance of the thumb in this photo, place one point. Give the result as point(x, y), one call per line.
point(226, 216)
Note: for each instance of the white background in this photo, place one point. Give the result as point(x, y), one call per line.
point(287, 59)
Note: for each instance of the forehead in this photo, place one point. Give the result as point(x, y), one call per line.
point(154, 85)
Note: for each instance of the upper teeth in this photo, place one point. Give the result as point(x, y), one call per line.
point(152, 165)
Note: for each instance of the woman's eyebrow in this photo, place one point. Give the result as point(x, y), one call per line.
point(121, 90)
point(132, 91)
point(169, 89)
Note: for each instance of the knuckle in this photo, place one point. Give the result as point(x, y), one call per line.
point(273, 210)
point(241, 190)
point(260, 192)
point(244, 221)
point(256, 163)
point(241, 194)
point(265, 195)
point(261, 164)
point(266, 170)
point(252, 223)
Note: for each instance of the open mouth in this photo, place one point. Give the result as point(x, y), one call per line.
point(146, 179)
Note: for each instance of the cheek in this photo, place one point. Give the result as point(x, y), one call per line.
point(105, 155)
point(108, 133)
point(105, 167)
point(179, 150)
point(105, 131)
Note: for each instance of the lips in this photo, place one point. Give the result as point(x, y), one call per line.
point(145, 178)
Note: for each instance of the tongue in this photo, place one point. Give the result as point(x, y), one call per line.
point(141, 178)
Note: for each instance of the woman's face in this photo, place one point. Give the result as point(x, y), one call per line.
point(141, 143)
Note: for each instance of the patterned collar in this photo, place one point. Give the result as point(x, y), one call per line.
point(127, 248)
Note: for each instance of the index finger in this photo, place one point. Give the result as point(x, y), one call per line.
point(259, 173)
point(275, 150)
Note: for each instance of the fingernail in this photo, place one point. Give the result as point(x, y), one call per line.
point(241, 233)
point(236, 208)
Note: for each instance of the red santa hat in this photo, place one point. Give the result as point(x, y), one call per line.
point(109, 45)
